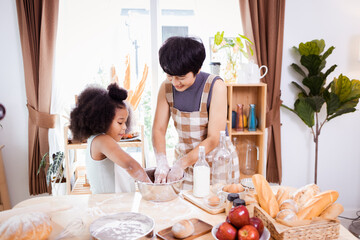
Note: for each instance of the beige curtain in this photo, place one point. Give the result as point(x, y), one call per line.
point(38, 25)
point(263, 22)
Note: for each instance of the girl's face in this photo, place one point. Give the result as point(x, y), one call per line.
point(118, 126)
point(181, 83)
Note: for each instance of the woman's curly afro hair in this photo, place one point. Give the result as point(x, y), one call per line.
point(95, 111)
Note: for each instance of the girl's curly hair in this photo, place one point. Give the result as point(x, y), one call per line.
point(95, 111)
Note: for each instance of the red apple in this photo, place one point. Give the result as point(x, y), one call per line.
point(239, 216)
point(226, 231)
point(248, 232)
point(227, 219)
point(258, 224)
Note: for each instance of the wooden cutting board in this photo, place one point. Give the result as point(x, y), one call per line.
point(201, 204)
point(200, 227)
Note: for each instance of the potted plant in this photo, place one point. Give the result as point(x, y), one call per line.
point(55, 172)
point(235, 48)
point(341, 95)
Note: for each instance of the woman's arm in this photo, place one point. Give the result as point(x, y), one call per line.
point(217, 123)
point(161, 121)
point(160, 124)
point(104, 145)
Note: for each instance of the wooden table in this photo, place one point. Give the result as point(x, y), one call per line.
point(91, 207)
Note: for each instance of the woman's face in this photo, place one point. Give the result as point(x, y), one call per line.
point(118, 126)
point(181, 83)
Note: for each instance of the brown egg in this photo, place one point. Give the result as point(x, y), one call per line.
point(183, 229)
point(213, 201)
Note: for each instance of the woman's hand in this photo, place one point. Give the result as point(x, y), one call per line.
point(176, 172)
point(162, 168)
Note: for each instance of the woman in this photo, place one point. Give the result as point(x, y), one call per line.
point(197, 102)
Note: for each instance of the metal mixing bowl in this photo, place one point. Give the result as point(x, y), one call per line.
point(159, 192)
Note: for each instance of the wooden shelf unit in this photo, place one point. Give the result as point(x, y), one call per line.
point(81, 185)
point(247, 94)
point(4, 191)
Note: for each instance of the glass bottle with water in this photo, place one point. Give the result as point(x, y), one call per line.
point(221, 167)
point(201, 183)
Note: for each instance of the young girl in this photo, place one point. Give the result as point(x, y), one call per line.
point(102, 118)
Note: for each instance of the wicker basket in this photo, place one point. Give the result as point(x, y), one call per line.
point(313, 231)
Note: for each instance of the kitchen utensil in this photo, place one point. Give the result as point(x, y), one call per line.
point(74, 228)
point(250, 165)
point(201, 203)
point(265, 235)
point(253, 72)
point(125, 225)
point(159, 192)
point(200, 226)
point(247, 183)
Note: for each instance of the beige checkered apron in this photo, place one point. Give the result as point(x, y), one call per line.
point(192, 129)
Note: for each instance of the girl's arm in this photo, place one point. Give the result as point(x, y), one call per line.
point(217, 123)
point(104, 145)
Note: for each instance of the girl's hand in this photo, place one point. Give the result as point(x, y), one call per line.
point(162, 168)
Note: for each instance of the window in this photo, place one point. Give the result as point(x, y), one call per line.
point(95, 35)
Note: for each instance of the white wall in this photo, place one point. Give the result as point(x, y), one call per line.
point(338, 23)
point(14, 134)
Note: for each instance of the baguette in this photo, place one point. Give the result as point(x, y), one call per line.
point(305, 193)
point(282, 195)
point(266, 196)
point(316, 205)
point(332, 212)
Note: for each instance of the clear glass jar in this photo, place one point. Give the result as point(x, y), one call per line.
point(221, 166)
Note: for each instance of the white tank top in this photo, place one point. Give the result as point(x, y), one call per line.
point(100, 173)
point(103, 177)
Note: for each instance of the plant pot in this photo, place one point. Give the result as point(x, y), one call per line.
point(58, 189)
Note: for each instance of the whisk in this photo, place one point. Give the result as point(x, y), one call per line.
point(74, 228)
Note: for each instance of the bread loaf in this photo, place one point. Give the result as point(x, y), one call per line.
point(287, 215)
point(289, 204)
point(316, 205)
point(183, 229)
point(266, 197)
point(305, 193)
point(332, 212)
point(282, 195)
point(29, 226)
point(233, 188)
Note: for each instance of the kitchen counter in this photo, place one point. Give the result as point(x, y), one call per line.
point(65, 209)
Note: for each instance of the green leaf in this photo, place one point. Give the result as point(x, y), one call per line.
point(298, 69)
point(327, 53)
point(312, 63)
point(341, 112)
point(218, 38)
point(345, 89)
point(247, 39)
point(42, 163)
point(304, 111)
point(332, 103)
point(330, 70)
point(349, 104)
point(320, 43)
point(299, 87)
point(314, 83)
point(315, 102)
point(314, 47)
point(355, 90)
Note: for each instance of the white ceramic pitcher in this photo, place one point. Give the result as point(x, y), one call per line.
point(253, 72)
